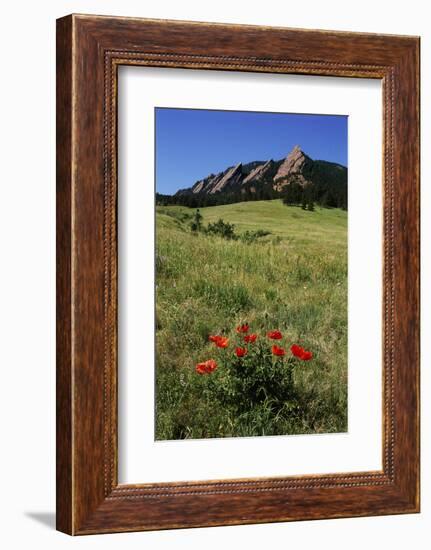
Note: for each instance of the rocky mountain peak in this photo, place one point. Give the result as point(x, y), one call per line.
point(292, 164)
point(229, 179)
point(259, 172)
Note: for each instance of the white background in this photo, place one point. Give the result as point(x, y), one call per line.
point(141, 458)
point(27, 313)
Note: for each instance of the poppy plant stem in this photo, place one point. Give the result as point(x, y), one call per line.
point(290, 372)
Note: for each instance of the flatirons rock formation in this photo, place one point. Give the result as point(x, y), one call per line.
point(292, 164)
point(292, 169)
point(296, 167)
point(258, 173)
point(218, 182)
point(232, 177)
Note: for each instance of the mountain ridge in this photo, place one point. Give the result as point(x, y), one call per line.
point(296, 178)
point(296, 167)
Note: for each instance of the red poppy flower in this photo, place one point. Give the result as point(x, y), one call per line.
point(297, 350)
point(240, 352)
point(213, 338)
point(301, 353)
point(242, 328)
point(275, 335)
point(206, 367)
point(222, 342)
point(211, 365)
point(278, 351)
point(250, 338)
point(200, 368)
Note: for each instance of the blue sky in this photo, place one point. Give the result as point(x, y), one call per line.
point(193, 143)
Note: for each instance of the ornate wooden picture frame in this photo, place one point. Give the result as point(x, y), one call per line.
point(89, 51)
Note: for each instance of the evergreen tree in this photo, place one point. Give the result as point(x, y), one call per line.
point(196, 224)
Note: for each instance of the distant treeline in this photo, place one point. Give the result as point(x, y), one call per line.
point(200, 200)
point(329, 194)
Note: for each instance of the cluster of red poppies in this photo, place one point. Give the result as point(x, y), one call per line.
point(240, 351)
point(301, 353)
point(206, 367)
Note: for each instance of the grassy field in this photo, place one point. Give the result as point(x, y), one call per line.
point(293, 279)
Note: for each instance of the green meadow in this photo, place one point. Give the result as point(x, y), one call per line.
point(293, 278)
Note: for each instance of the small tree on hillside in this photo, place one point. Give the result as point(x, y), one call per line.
point(196, 224)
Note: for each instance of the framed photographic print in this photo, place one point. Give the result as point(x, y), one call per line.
point(237, 274)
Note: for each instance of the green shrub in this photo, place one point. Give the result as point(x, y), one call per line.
point(252, 236)
point(222, 229)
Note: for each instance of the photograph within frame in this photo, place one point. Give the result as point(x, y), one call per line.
point(143, 458)
point(251, 302)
